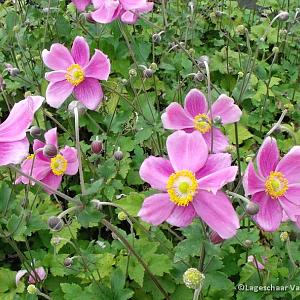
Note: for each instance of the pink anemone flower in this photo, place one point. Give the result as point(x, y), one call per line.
point(81, 5)
point(195, 116)
point(190, 183)
point(75, 73)
point(131, 16)
point(49, 170)
point(38, 275)
point(276, 185)
point(14, 145)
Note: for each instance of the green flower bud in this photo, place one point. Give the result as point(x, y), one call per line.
point(193, 278)
point(32, 290)
point(132, 73)
point(284, 236)
point(122, 216)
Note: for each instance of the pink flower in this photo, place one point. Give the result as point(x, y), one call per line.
point(190, 183)
point(14, 144)
point(75, 72)
point(38, 275)
point(81, 4)
point(195, 116)
point(128, 11)
point(49, 170)
point(276, 186)
point(256, 263)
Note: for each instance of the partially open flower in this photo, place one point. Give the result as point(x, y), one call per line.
point(38, 275)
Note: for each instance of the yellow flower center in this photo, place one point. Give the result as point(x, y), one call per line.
point(58, 165)
point(181, 187)
point(75, 74)
point(276, 185)
point(202, 123)
point(30, 156)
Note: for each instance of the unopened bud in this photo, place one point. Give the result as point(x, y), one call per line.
point(14, 72)
point(240, 29)
point(96, 147)
point(247, 243)
point(193, 278)
point(80, 107)
point(283, 16)
point(284, 236)
point(252, 208)
point(240, 74)
point(122, 216)
point(50, 151)
point(275, 50)
point(154, 67)
point(68, 262)
point(32, 290)
point(199, 77)
point(35, 131)
point(55, 223)
point(148, 73)
point(124, 81)
point(118, 155)
point(132, 73)
point(156, 38)
point(202, 60)
point(215, 238)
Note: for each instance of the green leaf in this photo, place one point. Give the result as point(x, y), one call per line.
point(243, 133)
point(132, 203)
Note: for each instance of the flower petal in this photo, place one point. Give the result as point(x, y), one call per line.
point(58, 92)
point(53, 181)
point(195, 103)
point(293, 193)
point(267, 157)
point(80, 51)
point(133, 4)
point(13, 152)
point(106, 10)
point(55, 76)
point(217, 212)
point(225, 108)
point(156, 209)
point(38, 275)
point(215, 181)
point(220, 140)
point(252, 182)
point(98, 67)
point(182, 216)
point(89, 92)
point(290, 165)
point(70, 154)
point(290, 208)
point(156, 171)
point(176, 118)
point(58, 58)
point(81, 4)
point(269, 215)
point(19, 275)
point(187, 151)
point(51, 137)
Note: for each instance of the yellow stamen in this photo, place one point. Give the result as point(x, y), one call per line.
point(75, 74)
point(58, 165)
point(181, 187)
point(202, 123)
point(276, 185)
point(30, 156)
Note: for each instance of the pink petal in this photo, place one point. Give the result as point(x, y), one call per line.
point(252, 182)
point(293, 193)
point(129, 17)
point(285, 217)
point(267, 157)
point(187, 151)
point(19, 275)
point(38, 275)
point(290, 165)
point(290, 208)
point(70, 154)
point(13, 152)
point(182, 216)
point(220, 141)
point(51, 137)
point(216, 180)
point(80, 51)
point(26, 167)
point(55, 76)
point(133, 4)
point(156, 171)
point(215, 162)
point(176, 118)
point(81, 4)
point(89, 92)
point(195, 103)
point(255, 262)
point(58, 92)
point(156, 209)
point(98, 67)
point(37, 146)
point(106, 10)
point(53, 181)
point(225, 108)
point(217, 212)
point(58, 58)
point(20, 118)
point(41, 169)
point(270, 212)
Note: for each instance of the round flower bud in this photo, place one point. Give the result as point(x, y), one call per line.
point(201, 61)
point(32, 290)
point(252, 208)
point(14, 72)
point(156, 38)
point(35, 131)
point(68, 262)
point(193, 278)
point(124, 81)
point(289, 107)
point(80, 107)
point(97, 204)
point(55, 223)
point(240, 29)
point(50, 151)
point(240, 74)
point(122, 216)
point(153, 67)
point(148, 73)
point(118, 155)
point(283, 16)
point(198, 76)
point(284, 236)
point(132, 73)
point(217, 120)
point(275, 50)
point(248, 244)
point(96, 147)
point(215, 238)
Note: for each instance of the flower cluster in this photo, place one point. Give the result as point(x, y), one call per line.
point(106, 11)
